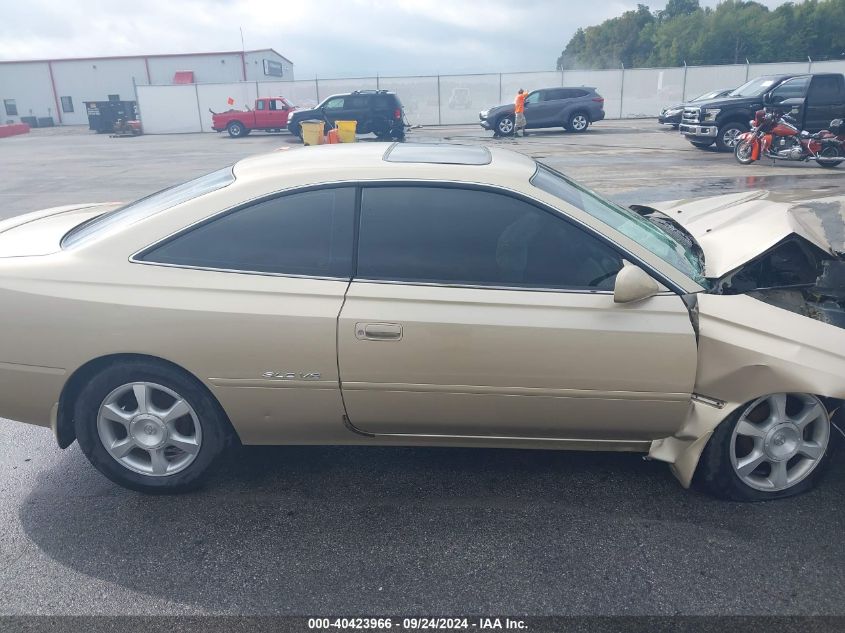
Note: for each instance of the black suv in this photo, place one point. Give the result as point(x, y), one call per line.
point(817, 99)
point(376, 111)
point(574, 109)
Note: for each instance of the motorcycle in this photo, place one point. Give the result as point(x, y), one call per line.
point(777, 136)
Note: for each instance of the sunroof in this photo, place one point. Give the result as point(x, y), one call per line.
point(438, 153)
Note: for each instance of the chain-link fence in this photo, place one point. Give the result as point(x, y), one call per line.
point(455, 99)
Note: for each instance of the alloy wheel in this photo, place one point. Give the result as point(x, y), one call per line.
point(579, 122)
point(731, 137)
point(505, 126)
point(149, 429)
point(779, 440)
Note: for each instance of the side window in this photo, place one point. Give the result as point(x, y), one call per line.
point(308, 233)
point(790, 89)
point(464, 236)
point(11, 107)
point(279, 104)
point(563, 93)
point(357, 103)
point(334, 104)
point(259, 105)
point(825, 90)
point(534, 97)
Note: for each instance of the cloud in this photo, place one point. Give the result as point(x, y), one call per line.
point(329, 38)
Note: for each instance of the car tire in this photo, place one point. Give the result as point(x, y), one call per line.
point(728, 136)
point(701, 144)
point(578, 122)
point(296, 131)
point(504, 125)
point(236, 129)
point(758, 452)
point(150, 427)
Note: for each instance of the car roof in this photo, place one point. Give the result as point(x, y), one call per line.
point(377, 161)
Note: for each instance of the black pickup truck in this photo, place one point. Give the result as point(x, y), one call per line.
point(818, 99)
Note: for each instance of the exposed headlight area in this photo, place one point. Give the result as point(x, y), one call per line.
point(710, 114)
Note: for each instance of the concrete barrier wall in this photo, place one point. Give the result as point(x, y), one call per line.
point(451, 99)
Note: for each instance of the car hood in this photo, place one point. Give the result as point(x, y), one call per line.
point(41, 232)
point(500, 109)
point(736, 228)
point(724, 102)
point(306, 114)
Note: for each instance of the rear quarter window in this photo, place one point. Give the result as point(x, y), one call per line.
point(147, 207)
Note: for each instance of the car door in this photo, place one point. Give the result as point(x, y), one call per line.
point(475, 313)
point(795, 88)
point(358, 108)
point(825, 101)
point(536, 109)
point(334, 109)
point(255, 296)
point(262, 113)
point(277, 115)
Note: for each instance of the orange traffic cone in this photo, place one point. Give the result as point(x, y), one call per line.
point(333, 136)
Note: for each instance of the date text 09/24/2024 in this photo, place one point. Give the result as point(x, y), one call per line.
point(417, 623)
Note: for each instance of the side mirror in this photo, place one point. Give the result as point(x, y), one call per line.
point(633, 284)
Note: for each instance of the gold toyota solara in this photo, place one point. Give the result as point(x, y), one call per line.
point(428, 295)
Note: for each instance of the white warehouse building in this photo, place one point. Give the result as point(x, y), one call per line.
point(59, 88)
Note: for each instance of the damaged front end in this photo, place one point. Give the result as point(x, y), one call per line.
point(795, 275)
point(786, 252)
point(775, 271)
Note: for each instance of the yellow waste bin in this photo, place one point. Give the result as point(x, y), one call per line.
point(346, 131)
point(312, 132)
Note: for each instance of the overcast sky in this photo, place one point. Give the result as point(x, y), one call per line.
point(328, 38)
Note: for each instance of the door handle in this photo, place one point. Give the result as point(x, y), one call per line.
point(378, 331)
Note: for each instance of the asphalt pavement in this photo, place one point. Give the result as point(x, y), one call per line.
point(356, 530)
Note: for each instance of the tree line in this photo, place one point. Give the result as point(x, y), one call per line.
point(730, 33)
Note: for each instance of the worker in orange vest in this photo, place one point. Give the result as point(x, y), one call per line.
point(519, 112)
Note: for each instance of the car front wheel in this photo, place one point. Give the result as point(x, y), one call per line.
point(149, 427)
point(776, 446)
point(504, 126)
point(729, 135)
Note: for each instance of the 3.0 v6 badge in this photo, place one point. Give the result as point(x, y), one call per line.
point(291, 375)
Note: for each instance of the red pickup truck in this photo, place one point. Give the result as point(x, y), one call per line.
point(270, 114)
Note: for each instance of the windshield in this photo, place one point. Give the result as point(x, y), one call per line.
point(753, 88)
point(146, 207)
point(631, 224)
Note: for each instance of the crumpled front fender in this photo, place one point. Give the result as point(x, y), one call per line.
point(749, 349)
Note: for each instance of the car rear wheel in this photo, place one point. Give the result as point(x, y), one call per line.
point(236, 129)
point(776, 446)
point(728, 136)
point(149, 427)
point(504, 126)
point(578, 122)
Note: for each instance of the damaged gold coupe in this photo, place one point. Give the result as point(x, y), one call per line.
point(428, 295)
